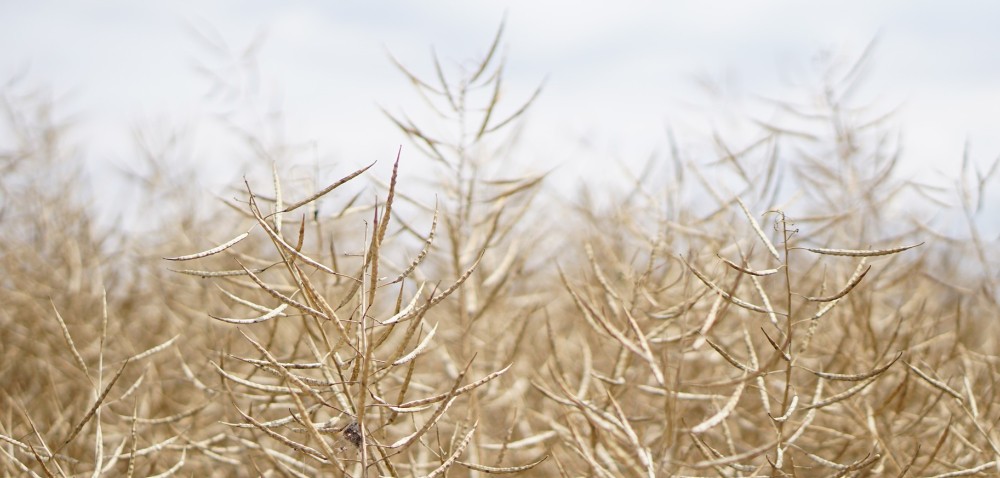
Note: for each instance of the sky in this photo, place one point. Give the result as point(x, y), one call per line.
point(616, 75)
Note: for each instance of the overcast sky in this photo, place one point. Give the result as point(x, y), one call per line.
point(617, 73)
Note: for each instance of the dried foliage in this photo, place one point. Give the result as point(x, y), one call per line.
point(769, 333)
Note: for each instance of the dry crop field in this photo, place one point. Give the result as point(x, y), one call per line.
point(790, 319)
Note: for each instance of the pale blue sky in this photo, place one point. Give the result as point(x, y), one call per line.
point(617, 73)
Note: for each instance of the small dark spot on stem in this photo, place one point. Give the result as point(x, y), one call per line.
point(352, 433)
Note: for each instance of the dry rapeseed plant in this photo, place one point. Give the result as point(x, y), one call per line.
point(648, 345)
point(351, 363)
point(786, 326)
point(705, 355)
